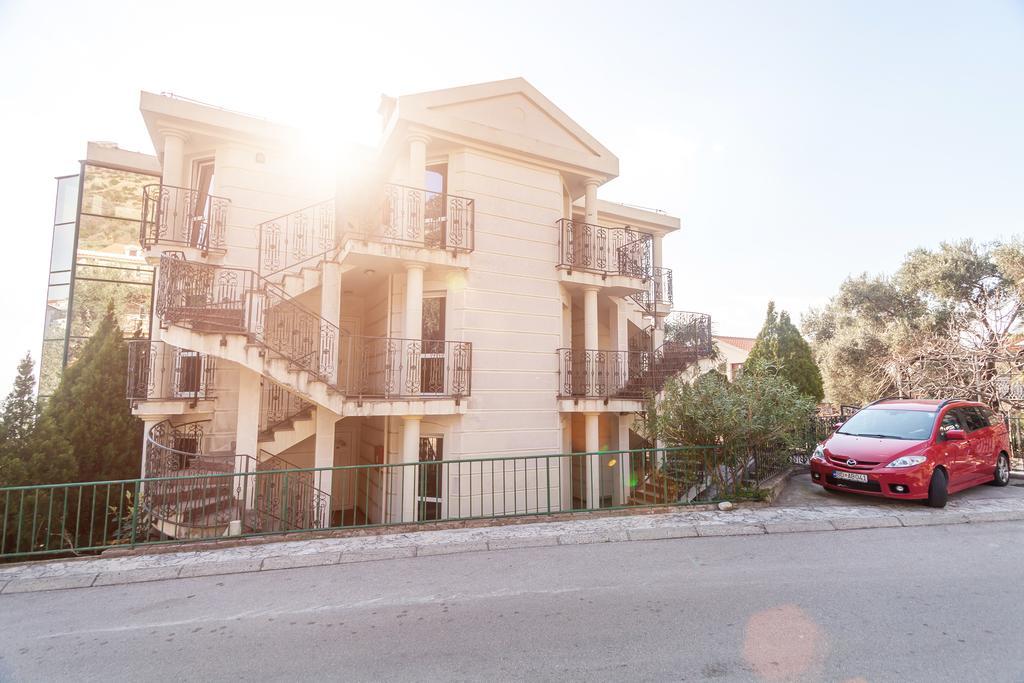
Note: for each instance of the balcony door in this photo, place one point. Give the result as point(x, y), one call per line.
point(430, 484)
point(189, 374)
point(435, 218)
point(432, 352)
point(202, 188)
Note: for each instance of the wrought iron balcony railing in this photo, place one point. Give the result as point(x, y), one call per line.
point(592, 373)
point(420, 218)
point(159, 371)
point(657, 292)
point(387, 367)
point(299, 238)
point(605, 251)
point(180, 216)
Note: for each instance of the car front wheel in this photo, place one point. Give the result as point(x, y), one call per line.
point(938, 490)
point(1002, 475)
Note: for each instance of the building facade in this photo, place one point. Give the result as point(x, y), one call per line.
point(463, 297)
point(95, 256)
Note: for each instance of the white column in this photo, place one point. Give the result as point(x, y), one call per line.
point(623, 470)
point(323, 456)
point(590, 337)
point(593, 481)
point(417, 160)
point(173, 169)
point(247, 427)
point(410, 454)
point(590, 199)
point(417, 179)
point(330, 310)
point(412, 326)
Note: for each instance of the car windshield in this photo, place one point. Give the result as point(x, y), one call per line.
point(890, 423)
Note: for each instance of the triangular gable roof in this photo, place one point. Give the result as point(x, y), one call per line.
point(511, 114)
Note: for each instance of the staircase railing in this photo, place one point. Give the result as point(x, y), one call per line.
point(223, 299)
point(657, 292)
point(303, 237)
point(278, 405)
point(160, 371)
point(287, 498)
point(606, 251)
point(183, 216)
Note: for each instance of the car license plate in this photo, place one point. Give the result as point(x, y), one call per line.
point(850, 476)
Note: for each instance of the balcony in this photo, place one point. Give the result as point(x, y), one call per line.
point(604, 251)
point(181, 217)
point(387, 368)
point(161, 372)
point(596, 374)
point(414, 224)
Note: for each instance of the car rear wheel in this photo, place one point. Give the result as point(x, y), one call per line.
point(1002, 475)
point(938, 490)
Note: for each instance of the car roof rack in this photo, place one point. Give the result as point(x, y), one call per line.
point(945, 402)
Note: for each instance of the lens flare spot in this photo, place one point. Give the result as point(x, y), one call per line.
point(611, 463)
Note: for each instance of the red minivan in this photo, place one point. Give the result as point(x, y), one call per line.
point(915, 449)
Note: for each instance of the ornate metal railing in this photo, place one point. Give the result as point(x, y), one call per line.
point(278, 405)
point(592, 373)
point(221, 299)
point(419, 218)
point(302, 237)
point(287, 498)
point(657, 292)
point(182, 216)
point(387, 367)
point(157, 371)
point(607, 251)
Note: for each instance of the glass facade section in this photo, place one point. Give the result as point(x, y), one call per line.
point(95, 261)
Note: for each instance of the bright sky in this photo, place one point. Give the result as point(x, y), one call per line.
point(798, 141)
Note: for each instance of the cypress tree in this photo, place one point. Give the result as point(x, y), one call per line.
point(782, 350)
point(90, 411)
point(31, 449)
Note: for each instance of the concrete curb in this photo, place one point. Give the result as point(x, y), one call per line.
point(404, 547)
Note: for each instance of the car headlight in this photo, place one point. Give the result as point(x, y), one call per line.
point(907, 461)
point(819, 453)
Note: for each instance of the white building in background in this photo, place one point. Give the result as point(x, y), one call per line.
point(465, 296)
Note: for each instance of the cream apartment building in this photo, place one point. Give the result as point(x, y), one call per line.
point(463, 299)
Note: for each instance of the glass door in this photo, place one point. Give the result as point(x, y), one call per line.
point(202, 188)
point(430, 484)
point(436, 206)
point(432, 352)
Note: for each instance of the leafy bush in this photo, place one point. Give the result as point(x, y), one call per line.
point(755, 411)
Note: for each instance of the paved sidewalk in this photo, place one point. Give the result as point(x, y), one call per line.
point(836, 515)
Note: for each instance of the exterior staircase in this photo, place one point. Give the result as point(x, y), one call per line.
point(192, 495)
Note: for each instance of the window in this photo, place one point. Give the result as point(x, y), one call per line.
point(950, 421)
point(974, 419)
point(883, 423)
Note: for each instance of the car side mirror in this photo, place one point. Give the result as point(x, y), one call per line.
point(956, 435)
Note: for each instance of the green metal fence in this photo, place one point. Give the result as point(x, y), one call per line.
point(1016, 425)
point(82, 518)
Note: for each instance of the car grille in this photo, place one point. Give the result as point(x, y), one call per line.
point(861, 464)
point(872, 486)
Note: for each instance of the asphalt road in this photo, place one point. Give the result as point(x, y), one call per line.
point(928, 603)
